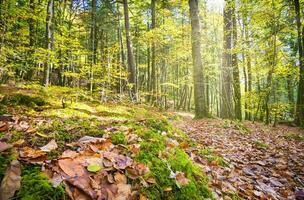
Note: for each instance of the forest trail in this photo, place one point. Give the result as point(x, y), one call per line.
point(254, 161)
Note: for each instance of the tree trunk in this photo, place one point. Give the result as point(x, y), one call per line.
point(49, 20)
point(198, 76)
point(299, 118)
point(236, 73)
point(153, 61)
point(131, 60)
point(93, 44)
point(226, 101)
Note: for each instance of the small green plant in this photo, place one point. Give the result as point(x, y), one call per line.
point(293, 136)
point(209, 154)
point(236, 125)
point(261, 145)
point(119, 138)
point(35, 185)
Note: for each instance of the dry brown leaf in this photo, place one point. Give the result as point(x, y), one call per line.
point(151, 180)
point(52, 145)
point(180, 178)
point(69, 154)
point(30, 153)
point(3, 126)
point(121, 162)
point(83, 183)
point(120, 178)
point(71, 167)
point(124, 192)
point(11, 181)
point(19, 143)
point(4, 146)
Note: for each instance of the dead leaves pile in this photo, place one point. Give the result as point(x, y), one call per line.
point(91, 168)
point(97, 170)
point(275, 172)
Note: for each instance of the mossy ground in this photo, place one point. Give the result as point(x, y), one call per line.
point(82, 115)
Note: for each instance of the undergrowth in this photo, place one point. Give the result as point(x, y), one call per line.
point(35, 185)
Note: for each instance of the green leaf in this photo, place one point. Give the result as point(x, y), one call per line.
point(94, 168)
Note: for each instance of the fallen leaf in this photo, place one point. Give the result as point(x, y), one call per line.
point(4, 146)
point(94, 168)
point(124, 192)
point(121, 162)
point(120, 178)
point(19, 143)
point(3, 126)
point(32, 156)
point(151, 180)
point(69, 154)
point(180, 178)
point(82, 183)
point(71, 167)
point(52, 145)
point(11, 181)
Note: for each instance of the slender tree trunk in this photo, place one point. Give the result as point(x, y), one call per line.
point(131, 60)
point(299, 118)
point(236, 73)
point(248, 61)
point(49, 20)
point(122, 54)
point(226, 100)
point(93, 44)
point(153, 49)
point(198, 76)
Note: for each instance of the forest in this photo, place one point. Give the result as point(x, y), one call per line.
point(151, 99)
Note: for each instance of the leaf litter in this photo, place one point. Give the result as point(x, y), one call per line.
point(273, 172)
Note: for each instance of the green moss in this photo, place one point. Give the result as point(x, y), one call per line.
point(294, 136)
point(209, 154)
point(3, 109)
point(119, 138)
point(178, 160)
point(261, 145)
point(237, 125)
point(25, 100)
point(159, 124)
point(4, 162)
point(35, 185)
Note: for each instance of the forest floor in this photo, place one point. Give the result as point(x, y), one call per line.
point(252, 160)
point(60, 143)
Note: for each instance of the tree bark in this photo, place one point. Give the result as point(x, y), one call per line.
point(198, 76)
point(299, 118)
point(153, 61)
point(49, 36)
point(226, 101)
point(131, 60)
point(236, 73)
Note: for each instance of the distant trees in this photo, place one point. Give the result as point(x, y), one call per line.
point(175, 62)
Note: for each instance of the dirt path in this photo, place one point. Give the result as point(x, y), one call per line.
point(258, 161)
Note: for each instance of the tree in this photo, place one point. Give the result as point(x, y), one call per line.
point(299, 118)
point(226, 101)
point(198, 77)
point(49, 40)
point(153, 53)
point(131, 60)
point(236, 73)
